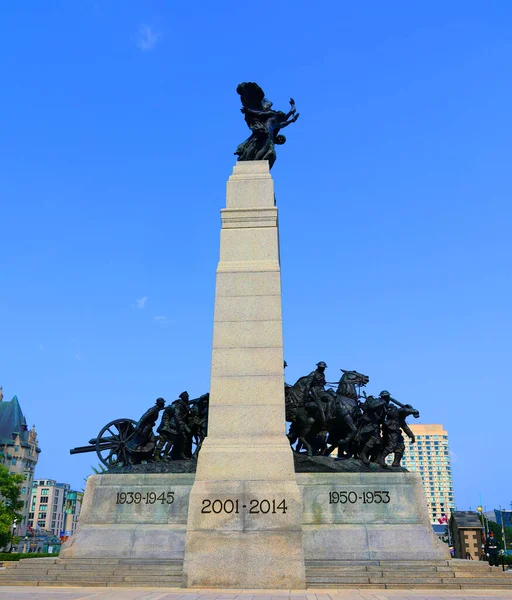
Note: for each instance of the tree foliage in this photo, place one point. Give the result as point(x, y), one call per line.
point(10, 503)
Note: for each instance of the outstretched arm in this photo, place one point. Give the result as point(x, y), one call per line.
point(283, 125)
point(408, 432)
point(293, 109)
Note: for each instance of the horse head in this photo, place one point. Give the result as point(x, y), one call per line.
point(348, 382)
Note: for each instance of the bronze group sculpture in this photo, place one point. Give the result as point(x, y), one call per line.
point(124, 442)
point(367, 428)
point(264, 122)
point(322, 420)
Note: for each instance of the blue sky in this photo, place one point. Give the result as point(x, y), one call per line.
point(119, 123)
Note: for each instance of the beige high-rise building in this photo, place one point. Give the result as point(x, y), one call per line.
point(19, 452)
point(430, 456)
point(54, 507)
point(72, 508)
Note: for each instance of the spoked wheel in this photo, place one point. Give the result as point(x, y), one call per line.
point(112, 440)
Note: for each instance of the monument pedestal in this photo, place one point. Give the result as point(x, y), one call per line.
point(245, 515)
point(132, 516)
point(367, 516)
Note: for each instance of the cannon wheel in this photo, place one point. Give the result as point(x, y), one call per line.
point(115, 435)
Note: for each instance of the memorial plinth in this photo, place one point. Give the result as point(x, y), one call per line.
point(245, 512)
point(132, 516)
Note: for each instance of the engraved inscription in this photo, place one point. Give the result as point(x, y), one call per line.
point(149, 498)
point(351, 497)
point(255, 506)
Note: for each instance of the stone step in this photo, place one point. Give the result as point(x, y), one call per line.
point(343, 569)
point(344, 586)
point(68, 584)
point(92, 580)
point(431, 572)
point(11, 579)
point(422, 586)
point(486, 586)
point(414, 563)
point(133, 578)
point(333, 580)
point(341, 563)
point(115, 584)
point(407, 568)
point(484, 575)
point(484, 580)
point(426, 581)
point(33, 566)
point(376, 577)
point(38, 560)
point(113, 570)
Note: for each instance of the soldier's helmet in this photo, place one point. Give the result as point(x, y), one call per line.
point(184, 395)
point(321, 364)
point(160, 401)
point(384, 393)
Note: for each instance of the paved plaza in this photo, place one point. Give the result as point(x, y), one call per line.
point(69, 593)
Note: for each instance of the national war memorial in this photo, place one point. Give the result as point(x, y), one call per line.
point(214, 492)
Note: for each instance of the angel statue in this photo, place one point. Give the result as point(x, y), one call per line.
point(264, 123)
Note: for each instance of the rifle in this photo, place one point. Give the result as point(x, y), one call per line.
point(406, 406)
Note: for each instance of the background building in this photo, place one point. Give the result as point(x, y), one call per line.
point(430, 456)
point(466, 533)
point(72, 508)
point(19, 451)
point(502, 517)
point(54, 507)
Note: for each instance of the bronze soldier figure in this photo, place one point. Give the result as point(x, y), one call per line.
point(198, 421)
point(368, 433)
point(173, 430)
point(315, 385)
point(141, 446)
point(394, 424)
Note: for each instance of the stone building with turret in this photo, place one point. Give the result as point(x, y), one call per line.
point(19, 451)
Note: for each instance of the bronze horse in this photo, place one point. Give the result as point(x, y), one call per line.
point(343, 426)
point(307, 427)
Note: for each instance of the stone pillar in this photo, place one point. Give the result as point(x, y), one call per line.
point(244, 525)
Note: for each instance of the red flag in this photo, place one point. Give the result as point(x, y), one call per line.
point(443, 519)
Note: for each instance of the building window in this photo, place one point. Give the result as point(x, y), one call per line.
point(41, 523)
point(43, 500)
point(44, 492)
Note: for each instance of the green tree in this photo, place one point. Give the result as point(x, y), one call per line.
point(10, 503)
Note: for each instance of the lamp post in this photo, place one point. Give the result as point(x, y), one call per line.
point(503, 530)
point(480, 511)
